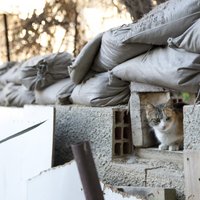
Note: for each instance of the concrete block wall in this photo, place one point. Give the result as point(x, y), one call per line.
point(79, 123)
point(107, 129)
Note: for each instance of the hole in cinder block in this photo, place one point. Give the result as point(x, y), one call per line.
point(174, 100)
point(127, 119)
point(177, 100)
point(118, 116)
point(127, 133)
point(118, 133)
point(126, 148)
point(117, 149)
point(180, 100)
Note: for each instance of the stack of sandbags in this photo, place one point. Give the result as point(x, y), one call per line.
point(120, 44)
point(16, 95)
point(11, 75)
point(48, 77)
point(176, 69)
point(160, 49)
point(137, 52)
point(57, 93)
point(93, 88)
point(5, 66)
point(41, 71)
point(12, 93)
point(176, 65)
point(38, 80)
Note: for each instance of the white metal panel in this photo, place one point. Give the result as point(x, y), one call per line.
point(63, 183)
point(26, 155)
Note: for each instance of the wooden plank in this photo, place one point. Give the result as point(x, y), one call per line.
point(192, 174)
point(24, 155)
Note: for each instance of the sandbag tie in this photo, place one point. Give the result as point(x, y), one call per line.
point(42, 68)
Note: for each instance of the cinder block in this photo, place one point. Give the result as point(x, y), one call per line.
point(142, 87)
point(141, 132)
point(153, 153)
point(191, 127)
point(107, 129)
point(122, 137)
point(147, 173)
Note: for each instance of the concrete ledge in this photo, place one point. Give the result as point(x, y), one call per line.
point(165, 155)
point(150, 193)
point(142, 87)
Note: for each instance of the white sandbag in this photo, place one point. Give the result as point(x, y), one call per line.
point(6, 66)
point(169, 19)
point(17, 95)
point(41, 71)
point(189, 40)
point(57, 93)
point(102, 89)
point(84, 60)
point(12, 75)
point(166, 67)
point(2, 98)
point(113, 51)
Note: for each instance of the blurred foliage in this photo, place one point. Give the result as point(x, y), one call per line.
point(38, 32)
point(186, 97)
point(189, 98)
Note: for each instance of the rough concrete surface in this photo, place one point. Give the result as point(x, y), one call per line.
point(78, 123)
point(148, 173)
point(191, 127)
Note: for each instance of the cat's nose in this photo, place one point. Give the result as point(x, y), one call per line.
point(163, 127)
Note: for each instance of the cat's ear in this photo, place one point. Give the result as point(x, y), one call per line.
point(149, 107)
point(169, 104)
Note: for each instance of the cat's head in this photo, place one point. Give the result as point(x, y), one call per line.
point(161, 117)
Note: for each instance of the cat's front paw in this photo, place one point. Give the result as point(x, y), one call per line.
point(162, 147)
point(174, 148)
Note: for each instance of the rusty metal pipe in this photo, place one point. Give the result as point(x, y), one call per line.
point(87, 170)
point(6, 36)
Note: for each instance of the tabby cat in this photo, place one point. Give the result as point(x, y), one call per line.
point(167, 122)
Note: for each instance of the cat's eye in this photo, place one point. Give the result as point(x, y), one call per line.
point(156, 121)
point(168, 118)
